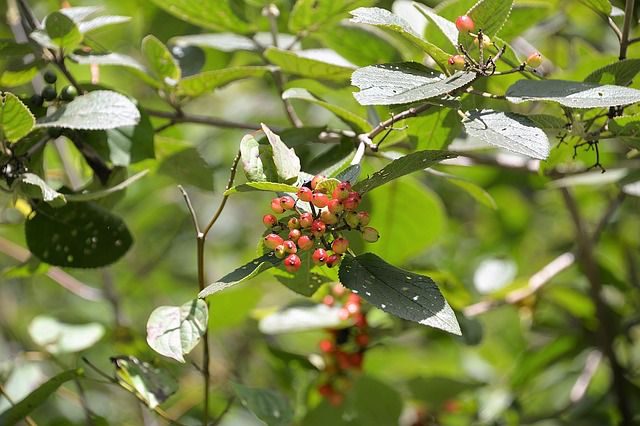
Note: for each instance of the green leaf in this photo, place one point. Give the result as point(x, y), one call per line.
point(490, 15)
point(620, 73)
point(627, 126)
point(32, 186)
point(215, 15)
point(36, 398)
point(306, 280)
point(524, 16)
point(435, 391)
point(16, 121)
point(243, 273)
point(98, 110)
point(405, 294)
point(509, 131)
point(101, 22)
point(548, 121)
point(261, 186)
point(360, 45)
point(476, 192)
point(57, 337)
point(591, 179)
point(350, 174)
point(354, 121)
point(267, 405)
point(285, 159)
point(160, 60)
point(79, 14)
point(250, 158)
point(572, 94)
point(77, 235)
point(387, 20)
point(402, 83)
point(116, 60)
point(152, 385)
point(410, 163)
point(18, 76)
point(131, 144)
point(173, 331)
point(600, 6)
point(231, 42)
point(294, 319)
point(435, 129)
point(62, 31)
point(199, 84)
point(445, 27)
point(9, 49)
point(96, 195)
point(183, 163)
point(313, 15)
point(320, 64)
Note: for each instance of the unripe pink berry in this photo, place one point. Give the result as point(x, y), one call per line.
point(287, 202)
point(363, 218)
point(319, 199)
point(294, 234)
point(293, 223)
point(305, 242)
point(338, 290)
point(318, 228)
point(273, 240)
point(335, 206)
point(341, 191)
point(354, 298)
point(306, 219)
point(352, 308)
point(370, 234)
point(534, 60)
point(457, 62)
point(269, 220)
point(319, 256)
point(343, 314)
point(316, 180)
point(305, 193)
point(328, 300)
point(362, 340)
point(464, 23)
point(290, 247)
point(280, 251)
point(329, 218)
point(292, 263)
point(352, 219)
point(276, 206)
point(333, 260)
point(351, 202)
point(340, 245)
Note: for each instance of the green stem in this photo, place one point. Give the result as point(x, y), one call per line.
point(626, 28)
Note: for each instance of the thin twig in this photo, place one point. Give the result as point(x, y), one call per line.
point(192, 212)
point(232, 176)
point(200, 119)
point(626, 28)
point(579, 389)
point(408, 113)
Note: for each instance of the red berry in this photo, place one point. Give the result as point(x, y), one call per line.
point(341, 191)
point(325, 390)
point(352, 308)
point(362, 340)
point(276, 206)
point(363, 218)
point(360, 320)
point(273, 240)
point(534, 60)
point(328, 300)
point(352, 219)
point(343, 314)
point(464, 23)
point(294, 234)
point(457, 62)
point(340, 245)
point(287, 203)
point(318, 228)
point(305, 193)
point(328, 218)
point(306, 219)
point(335, 206)
point(319, 256)
point(352, 201)
point(355, 360)
point(292, 263)
point(305, 242)
point(269, 220)
point(290, 247)
point(327, 346)
point(336, 399)
point(280, 251)
point(354, 298)
point(319, 199)
point(343, 360)
point(333, 260)
point(370, 234)
point(316, 180)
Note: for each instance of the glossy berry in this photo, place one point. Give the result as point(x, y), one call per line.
point(360, 320)
point(273, 240)
point(370, 234)
point(269, 220)
point(276, 206)
point(362, 340)
point(464, 23)
point(329, 300)
point(534, 60)
point(363, 218)
point(486, 41)
point(351, 202)
point(280, 251)
point(340, 245)
point(36, 101)
point(68, 93)
point(329, 218)
point(319, 256)
point(457, 62)
point(287, 203)
point(341, 191)
point(305, 194)
point(292, 263)
point(294, 234)
point(290, 247)
point(333, 260)
point(318, 228)
point(316, 180)
point(325, 390)
point(327, 346)
point(355, 360)
point(50, 76)
point(352, 219)
point(338, 290)
point(342, 358)
point(343, 314)
point(319, 199)
point(306, 219)
point(354, 298)
point(293, 223)
point(352, 307)
point(305, 242)
point(335, 206)
point(49, 93)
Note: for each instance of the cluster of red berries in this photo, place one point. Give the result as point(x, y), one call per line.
point(344, 349)
point(332, 208)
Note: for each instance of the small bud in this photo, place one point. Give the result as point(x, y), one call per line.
point(287, 203)
point(305, 194)
point(318, 228)
point(276, 206)
point(292, 263)
point(269, 220)
point(272, 241)
point(319, 199)
point(306, 219)
point(370, 234)
point(534, 60)
point(464, 23)
point(457, 62)
point(305, 242)
point(340, 245)
point(319, 256)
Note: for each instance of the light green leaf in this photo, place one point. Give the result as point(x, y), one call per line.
point(620, 73)
point(251, 161)
point(16, 121)
point(62, 31)
point(95, 195)
point(359, 44)
point(402, 293)
point(572, 94)
point(476, 192)
point(301, 318)
point(390, 84)
point(261, 186)
point(57, 337)
point(306, 280)
point(205, 82)
point(152, 385)
point(243, 273)
point(215, 15)
point(285, 159)
point(101, 22)
point(98, 110)
point(183, 163)
point(444, 26)
point(524, 16)
point(627, 126)
point(267, 405)
point(32, 186)
point(314, 15)
point(435, 129)
point(322, 64)
point(490, 15)
point(173, 331)
point(160, 60)
point(18, 76)
point(509, 131)
point(601, 6)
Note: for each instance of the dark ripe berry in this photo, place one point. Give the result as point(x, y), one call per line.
point(276, 206)
point(355, 360)
point(305, 242)
point(335, 206)
point(325, 390)
point(280, 251)
point(370, 234)
point(273, 240)
point(318, 228)
point(327, 346)
point(320, 200)
point(36, 101)
point(294, 234)
point(292, 263)
point(352, 201)
point(340, 245)
point(329, 300)
point(316, 180)
point(293, 223)
point(333, 260)
point(534, 60)
point(464, 23)
point(287, 203)
point(305, 194)
point(54, 132)
point(269, 220)
point(319, 256)
point(50, 76)
point(342, 191)
point(457, 62)
point(363, 218)
point(290, 247)
point(49, 93)
point(352, 219)
point(68, 93)
point(362, 340)
point(343, 360)
point(306, 219)
point(328, 217)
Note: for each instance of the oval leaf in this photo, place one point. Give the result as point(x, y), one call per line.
point(173, 331)
point(16, 121)
point(261, 186)
point(267, 405)
point(241, 274)
point(620, 73)
point(62, 31)
point(57, 337)
point(160, 60)
point(312, 64)
point(285, 159)
point(490, 15)
point(151, 384)
point(205, 82)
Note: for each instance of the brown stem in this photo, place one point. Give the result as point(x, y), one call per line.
point(181, 117)
point(626, 28)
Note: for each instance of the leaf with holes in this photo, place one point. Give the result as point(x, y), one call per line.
point(16, 121)
point(620, 73)
point(58, 337)
point(407, 295)
point(267, 405)
point(98, 110)
point(572, 94)
point(173, 331)
point(77, 235)
point(152, 384)
point(390, 84)
point(402, 166)
point(510, 131)
point(243, 273)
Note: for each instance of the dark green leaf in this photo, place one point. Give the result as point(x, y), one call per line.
point(62, 31)
point(404, 294)
point(435, 129)
point(243, 273)
point(435, 391)
point(490, 15)
point(321, 64)
point(183, 163)
point(160, 61)
point(445, 27)
point(216, 15)
point(360, 45)
point(306, 280)
point(16, 121)
point(261, 186)
point(77, 235)
point(524, 16)
point(153, 385)
point(620, 73)
point(548, 121)
point(200, 84)
point(627, 126)
point(267, 405)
